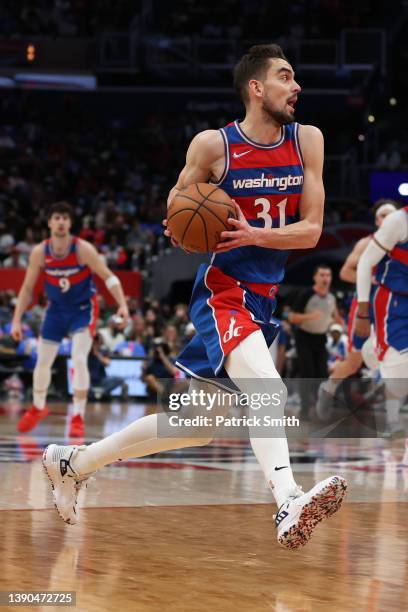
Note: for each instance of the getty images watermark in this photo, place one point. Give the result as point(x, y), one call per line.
point(201, 413)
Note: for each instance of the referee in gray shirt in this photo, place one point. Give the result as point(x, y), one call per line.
point(314, 310)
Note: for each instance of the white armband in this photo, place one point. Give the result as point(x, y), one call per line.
point(112, 281)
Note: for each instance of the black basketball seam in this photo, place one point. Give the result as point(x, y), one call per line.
point(191, 218)
point(180, 211)
point(215, 215)
point(205, 229)
point(199, 204)
point(208, 197)
point(213, 201)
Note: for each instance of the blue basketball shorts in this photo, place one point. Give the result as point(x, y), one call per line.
point(391, 321)
point(60, 321)
point(224, 312)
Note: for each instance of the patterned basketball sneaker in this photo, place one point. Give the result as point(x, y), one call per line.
point(31, 418)
point(77, 427)
point(66, 483)
point(301, 512)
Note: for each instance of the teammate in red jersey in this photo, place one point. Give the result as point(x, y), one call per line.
point(273, 168)
point(68, 263)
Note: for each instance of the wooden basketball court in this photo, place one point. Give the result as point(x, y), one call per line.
point(193, 530)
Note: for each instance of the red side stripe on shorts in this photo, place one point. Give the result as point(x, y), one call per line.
point(94, 315)
point(381, 304)
point(233, 320)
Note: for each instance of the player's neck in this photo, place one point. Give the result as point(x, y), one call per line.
point(259, 130)
point(60, 245)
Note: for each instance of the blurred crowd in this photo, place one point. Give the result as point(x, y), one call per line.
point(71, 18)
point(266, 19)
point(231, 18)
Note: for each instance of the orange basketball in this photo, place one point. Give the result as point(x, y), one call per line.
point(197, 216)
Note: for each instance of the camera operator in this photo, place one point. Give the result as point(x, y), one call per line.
point(160, 372)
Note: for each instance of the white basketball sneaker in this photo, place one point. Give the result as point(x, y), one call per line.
point(301, 512)
point(66, 483)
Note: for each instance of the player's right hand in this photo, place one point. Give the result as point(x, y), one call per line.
point(167, 233)
point(173, 241)
point(16, 331)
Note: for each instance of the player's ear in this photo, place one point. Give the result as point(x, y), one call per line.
point(256, 87)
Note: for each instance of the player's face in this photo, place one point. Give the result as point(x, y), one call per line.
point(280, 92)
point(59, 224)
point(323, 278)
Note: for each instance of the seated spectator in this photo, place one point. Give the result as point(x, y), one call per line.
point(337, 344)
point(112, 334)
point(101, 384)
point(15, 259)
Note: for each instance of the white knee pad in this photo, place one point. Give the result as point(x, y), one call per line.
point(81, 345)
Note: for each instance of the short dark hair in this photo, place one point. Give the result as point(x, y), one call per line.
point(61, 207)
point(383, 201)
point(253, 65)
point(321, 266)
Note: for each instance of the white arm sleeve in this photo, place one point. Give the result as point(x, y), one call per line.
point(394, 229)
point(370, 258)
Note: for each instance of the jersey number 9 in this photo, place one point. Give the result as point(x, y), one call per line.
point(64, 284)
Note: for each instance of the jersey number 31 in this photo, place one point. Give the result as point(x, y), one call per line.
point(265, 214)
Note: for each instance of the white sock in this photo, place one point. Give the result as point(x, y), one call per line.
point(79, 406)
point(251, 367)
point(273, 453)
point(39, 398)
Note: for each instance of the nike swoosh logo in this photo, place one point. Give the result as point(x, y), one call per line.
point(281, 468)
point(236, 155)
point(48, 260)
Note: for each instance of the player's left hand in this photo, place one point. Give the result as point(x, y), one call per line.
point(241, 234)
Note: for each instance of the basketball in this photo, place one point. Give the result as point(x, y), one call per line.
point(198, 215)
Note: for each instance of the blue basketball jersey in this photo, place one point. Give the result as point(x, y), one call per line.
point(266, 182)
point(67, 282)
point(392, 271)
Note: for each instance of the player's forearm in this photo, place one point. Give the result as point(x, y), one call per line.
point(300, 235)
point(348, 275)
point(24, 300)
point(118, 295)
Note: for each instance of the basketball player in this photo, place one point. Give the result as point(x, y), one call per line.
point(68, 263)
point(387, 251)
point(234, 297)
point(353, 361)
